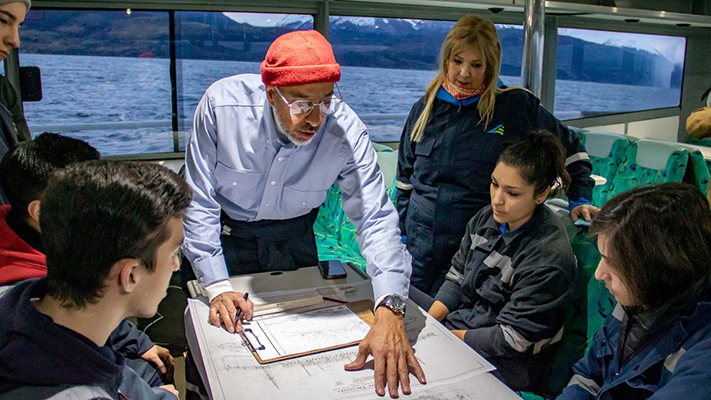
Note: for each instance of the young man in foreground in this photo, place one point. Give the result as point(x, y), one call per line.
point(111, 231)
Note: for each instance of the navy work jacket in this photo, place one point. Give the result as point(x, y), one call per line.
point(676, 364)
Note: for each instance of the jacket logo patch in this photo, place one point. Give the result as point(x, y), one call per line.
point(498, 129)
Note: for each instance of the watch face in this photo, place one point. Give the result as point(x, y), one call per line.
point(396, 303)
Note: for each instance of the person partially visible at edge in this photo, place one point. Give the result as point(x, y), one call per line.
point(511, 285)
point(112, 231)
point(24, 174)
point(261, 157)
point(655, 244)
point(10, 99)
point(12, 16)
point(452, 140)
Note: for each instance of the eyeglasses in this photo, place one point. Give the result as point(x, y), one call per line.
point(325, 107)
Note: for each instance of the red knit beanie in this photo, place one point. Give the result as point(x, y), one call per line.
point(300, 58)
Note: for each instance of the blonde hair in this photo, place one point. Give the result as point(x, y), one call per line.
point(480, 34)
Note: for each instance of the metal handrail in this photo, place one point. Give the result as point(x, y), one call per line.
point(100, 126)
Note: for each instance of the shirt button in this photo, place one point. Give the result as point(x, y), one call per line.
point(234, 183)
point(266, 205)
point(273, 183)
point(303, 203)
point(280, 158)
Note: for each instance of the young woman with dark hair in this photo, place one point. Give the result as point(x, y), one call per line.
point(655, 244)
point(509, 288)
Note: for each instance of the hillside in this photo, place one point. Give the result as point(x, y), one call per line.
point(368, 42)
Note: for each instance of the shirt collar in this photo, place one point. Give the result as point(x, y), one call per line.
point(537, 219)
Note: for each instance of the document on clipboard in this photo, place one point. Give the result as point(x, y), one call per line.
point(296, 334)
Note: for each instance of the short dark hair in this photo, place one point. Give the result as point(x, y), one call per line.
point(97, 213)
point(659, 240)
point(25, 169)
point(540, 159)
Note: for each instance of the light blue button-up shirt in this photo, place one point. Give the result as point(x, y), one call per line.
point(238, 162)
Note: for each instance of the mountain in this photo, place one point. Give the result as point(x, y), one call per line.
point(357, 41)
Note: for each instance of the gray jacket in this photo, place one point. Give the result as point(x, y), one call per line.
point(511, 291)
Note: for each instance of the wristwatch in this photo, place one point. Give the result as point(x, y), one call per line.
point(395, 303)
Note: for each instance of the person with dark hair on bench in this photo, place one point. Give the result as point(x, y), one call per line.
point(655, 244)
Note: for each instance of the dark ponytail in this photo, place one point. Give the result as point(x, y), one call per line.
point(540, 160)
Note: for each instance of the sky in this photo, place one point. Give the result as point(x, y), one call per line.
point(671, 47)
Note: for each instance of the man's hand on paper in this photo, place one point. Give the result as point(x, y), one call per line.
point(392, 354)
point(224, 307)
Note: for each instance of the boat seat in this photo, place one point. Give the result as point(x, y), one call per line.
point(699, 170)
point(647, 162)
point(335, 233)
point(606, 151)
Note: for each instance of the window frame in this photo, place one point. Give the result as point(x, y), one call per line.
point(321, 11)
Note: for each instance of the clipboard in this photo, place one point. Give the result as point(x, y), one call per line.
point(309, 331)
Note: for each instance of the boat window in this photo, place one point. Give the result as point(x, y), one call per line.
point(602, 72)
point(105, 77)
point(387, 64)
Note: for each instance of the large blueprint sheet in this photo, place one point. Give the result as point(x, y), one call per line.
point(231, 371)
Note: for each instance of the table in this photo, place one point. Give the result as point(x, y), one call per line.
point(229, 371)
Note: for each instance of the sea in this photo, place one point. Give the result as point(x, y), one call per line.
point(123, 105)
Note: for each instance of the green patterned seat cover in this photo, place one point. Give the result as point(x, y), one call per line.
point(631, 175)
point(607, 167)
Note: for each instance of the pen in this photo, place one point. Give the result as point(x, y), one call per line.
point(239, 312)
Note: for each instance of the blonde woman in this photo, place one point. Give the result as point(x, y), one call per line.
point(452, 140)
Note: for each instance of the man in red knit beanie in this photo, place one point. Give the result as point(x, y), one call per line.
point(263, 152)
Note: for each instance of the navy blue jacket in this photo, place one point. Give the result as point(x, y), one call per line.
point(512, 293)
point(450, 168)
point(39, 358)
point(675, 364)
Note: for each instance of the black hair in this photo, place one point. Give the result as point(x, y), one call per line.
point(26, 168)
point(97, 213)
point(659, 241)
point(540, 159)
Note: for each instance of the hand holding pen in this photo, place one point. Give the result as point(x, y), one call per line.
point(239, 311)
point(229, 308)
